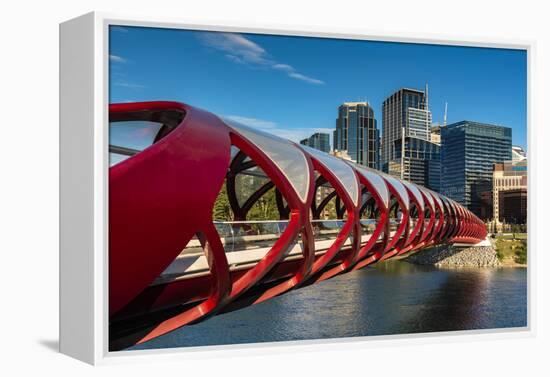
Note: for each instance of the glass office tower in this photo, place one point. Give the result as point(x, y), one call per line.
point(318, 141)
point(468, 152)
point(405, 109)
point(422, 162)
point(356, 133)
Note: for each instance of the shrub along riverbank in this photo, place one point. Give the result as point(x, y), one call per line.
point(512, 250)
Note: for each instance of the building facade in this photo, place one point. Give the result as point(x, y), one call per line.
point(513, 206)
point(356, 133)
point(435, 133)
point(318, 140)
point(468, 152)
point(407, 126)
point(421, 164)
point(404, 112)
point(509, 175)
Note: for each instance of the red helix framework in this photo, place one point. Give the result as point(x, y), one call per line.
point(163, 196)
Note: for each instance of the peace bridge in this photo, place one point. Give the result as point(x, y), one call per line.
point(172, 264)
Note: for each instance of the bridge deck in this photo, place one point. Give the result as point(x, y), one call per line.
point(194, 264)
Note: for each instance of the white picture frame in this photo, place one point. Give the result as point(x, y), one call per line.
point(84, 189)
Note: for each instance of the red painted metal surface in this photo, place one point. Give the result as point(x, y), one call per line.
point(163, 196)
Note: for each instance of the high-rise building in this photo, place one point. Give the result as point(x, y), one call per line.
point(509, 175)
point(407, 126)
point(422, 162)
point(318, 140)
point(468, 152)
point(356, 133)
point(404, 113)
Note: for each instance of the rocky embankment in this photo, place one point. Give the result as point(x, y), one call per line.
point(449, 256)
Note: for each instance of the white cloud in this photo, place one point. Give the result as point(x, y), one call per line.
point(242, 50)
point(235, 59)
point(283, 67)
point(311, 80)
point(117, 59)
point(236, 46)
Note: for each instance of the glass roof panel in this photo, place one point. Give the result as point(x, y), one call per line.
point(399, 188)
point(343, 172)
point(428, 196)
point(285, 155)
point(416, 193)
point(435, 195)
point(445, 204)
point(377, 181)
point(459, 207)
point(444, 200)
point(452, 205)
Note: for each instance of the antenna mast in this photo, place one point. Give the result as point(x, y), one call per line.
point(445, 116)
point(428, 125)
point(426, 95)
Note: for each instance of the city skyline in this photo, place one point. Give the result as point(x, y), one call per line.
point(292, 86)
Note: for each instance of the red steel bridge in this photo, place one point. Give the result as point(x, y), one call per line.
point(171, 263)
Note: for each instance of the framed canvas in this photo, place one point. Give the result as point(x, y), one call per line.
point(226, 187)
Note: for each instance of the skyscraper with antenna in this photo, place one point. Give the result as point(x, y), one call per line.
point(407, 149)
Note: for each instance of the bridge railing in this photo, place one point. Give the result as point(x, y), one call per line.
point(368, 225)
point(247, 242)
point(237, 236)
point(240, 236)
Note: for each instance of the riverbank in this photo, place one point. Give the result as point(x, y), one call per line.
point(504, 251)
point(451, 256)
point(511, 251)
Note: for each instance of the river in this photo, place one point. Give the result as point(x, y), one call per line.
point(393, 297)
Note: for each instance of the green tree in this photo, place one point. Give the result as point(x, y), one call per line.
point(520, 253)
point(222, 209)
point(265, 208)
point(329, 212)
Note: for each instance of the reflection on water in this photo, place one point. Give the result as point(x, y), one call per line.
point(390, 298)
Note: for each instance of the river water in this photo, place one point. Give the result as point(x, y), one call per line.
point(393, 297)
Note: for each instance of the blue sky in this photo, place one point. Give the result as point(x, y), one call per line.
point(292, 86)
